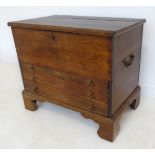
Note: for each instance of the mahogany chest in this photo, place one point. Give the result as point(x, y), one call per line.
point(87, 64)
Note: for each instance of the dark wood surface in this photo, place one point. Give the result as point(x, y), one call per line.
point(125, 78)
point(67, 83)
point(88, 64)
point(108, 127)
point(74, 53)
point(80, 24)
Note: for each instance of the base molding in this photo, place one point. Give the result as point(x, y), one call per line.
point(108, 126)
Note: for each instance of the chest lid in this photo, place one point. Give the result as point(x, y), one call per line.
point(79, 24)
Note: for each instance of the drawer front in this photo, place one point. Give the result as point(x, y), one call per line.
point(85, 55)
point(67, 83)
point(57, 96)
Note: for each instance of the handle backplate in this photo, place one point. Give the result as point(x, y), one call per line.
point(127, 61)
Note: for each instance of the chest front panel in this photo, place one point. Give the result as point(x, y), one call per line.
point(87, 64)
point(70, 68)
point(85, 55)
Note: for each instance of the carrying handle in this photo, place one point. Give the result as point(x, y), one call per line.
point(127, 61)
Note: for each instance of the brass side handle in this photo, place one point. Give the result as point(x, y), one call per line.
point(127, 61)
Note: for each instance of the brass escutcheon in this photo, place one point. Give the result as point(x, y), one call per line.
point(34, 89)
point(31, 68)
point(92, 108)
point(33, 78)
point(91, 94)
point(90, 83)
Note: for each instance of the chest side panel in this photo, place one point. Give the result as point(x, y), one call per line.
point(125, 66)
point(85, 55)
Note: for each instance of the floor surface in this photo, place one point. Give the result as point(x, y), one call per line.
point(52, 126)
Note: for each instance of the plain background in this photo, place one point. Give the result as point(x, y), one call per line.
point(147, 72)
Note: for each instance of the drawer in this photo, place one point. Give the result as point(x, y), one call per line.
point(67, 83)
point(58, 96)
point(86, 55)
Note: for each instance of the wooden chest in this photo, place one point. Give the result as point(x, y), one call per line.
point(87, 64)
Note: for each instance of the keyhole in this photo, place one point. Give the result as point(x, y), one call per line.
point(53, 37)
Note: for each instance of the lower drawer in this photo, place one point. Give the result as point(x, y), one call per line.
point(73, 100)
point(67, 83)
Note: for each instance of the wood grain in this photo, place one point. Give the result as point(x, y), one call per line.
point(80, 24)
point(78, 54)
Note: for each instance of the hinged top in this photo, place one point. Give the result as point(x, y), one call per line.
point(79, 24)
